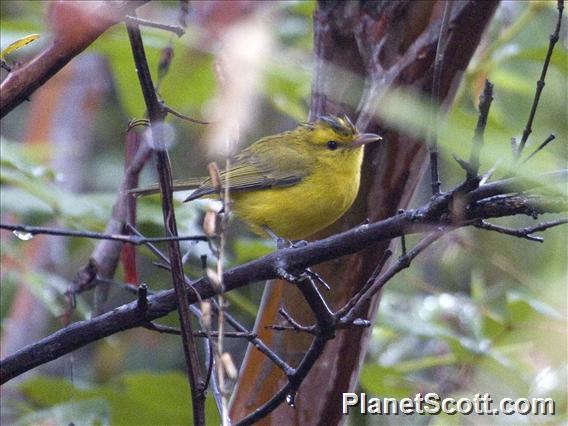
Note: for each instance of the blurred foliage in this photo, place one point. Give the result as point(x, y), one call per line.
point(479, 312)
point(483, 312)
point(134, 399)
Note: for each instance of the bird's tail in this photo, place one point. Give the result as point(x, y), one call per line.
point(178, 185)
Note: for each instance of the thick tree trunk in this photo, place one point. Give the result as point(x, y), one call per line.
point(362, 50)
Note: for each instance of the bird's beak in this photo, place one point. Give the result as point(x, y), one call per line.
point(365, 138)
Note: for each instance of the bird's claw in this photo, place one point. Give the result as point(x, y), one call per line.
point(298, 244)
point(291, 278)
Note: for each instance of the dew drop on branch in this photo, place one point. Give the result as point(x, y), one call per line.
point(291, 399)
point(22, 235)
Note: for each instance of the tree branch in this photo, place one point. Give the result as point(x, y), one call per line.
point(540, 83)
point(76, 25)
point(21, 231)
point(522, 232)
point(296, 258)
point(157, 114)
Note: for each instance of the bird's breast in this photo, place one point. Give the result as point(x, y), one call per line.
point(300, 210)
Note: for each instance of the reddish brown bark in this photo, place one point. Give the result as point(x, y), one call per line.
point(386, 45)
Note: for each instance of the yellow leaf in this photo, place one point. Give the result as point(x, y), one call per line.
point(18, 44)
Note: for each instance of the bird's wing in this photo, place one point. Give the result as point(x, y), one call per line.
point(259, 168)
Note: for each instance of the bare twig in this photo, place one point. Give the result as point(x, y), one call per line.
point(176, 29)
point(287, 393)
point(303, 329)
point(204, 334)
point(21, 231)
point(295, 325)
point(402, 263)
point(549, 139)
point(128, 254)
point(185, 117)
point(142, 297)
point(435, 106)
point(512, 185)
point(326, 325)
point(349, 305)
point(485, 100)
point(156, 115)
point(540, 83)
point(522, 232)
point(257, 343)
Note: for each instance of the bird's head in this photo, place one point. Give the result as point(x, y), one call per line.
point(334, 137)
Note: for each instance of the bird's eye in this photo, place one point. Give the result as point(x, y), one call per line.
point(332, 145)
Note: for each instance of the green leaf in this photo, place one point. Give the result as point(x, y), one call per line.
point(46, 391)
point(492, 326)
point(288, 89)
point(88, 412)
point(384, 381)
point(478, 286)
point(185, 91)
point(415, 365)
point(523, 307)
point(559, 58)
point(134, 399)
point(247, 249)
point(514, 82)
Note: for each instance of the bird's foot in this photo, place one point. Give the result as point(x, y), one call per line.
point(298, 244)
point(291, 277)
point(282, 243)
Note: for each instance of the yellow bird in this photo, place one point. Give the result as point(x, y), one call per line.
point(293, 183)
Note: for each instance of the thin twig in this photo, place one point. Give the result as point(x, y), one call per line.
point(349, 305)
point(288, 392)
point(21, 232)
point(199, 333)
point(517, 184)
point(256, 342)
point(209, 376)
point(326, 324)
point(489, 173)
point(435, 106)
point(142, 297)
point(176, 29)
point(549, 139)
point(522, 232)
point(403, 262)
point(183, 13)
point(128, 255)
point(311, 329)
point(157, 115)
point(540, 83)
point(485, 100)
point(295, 325)
point(106, 254)
point(166, 57)
point(185, 117)
point(326, 331)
